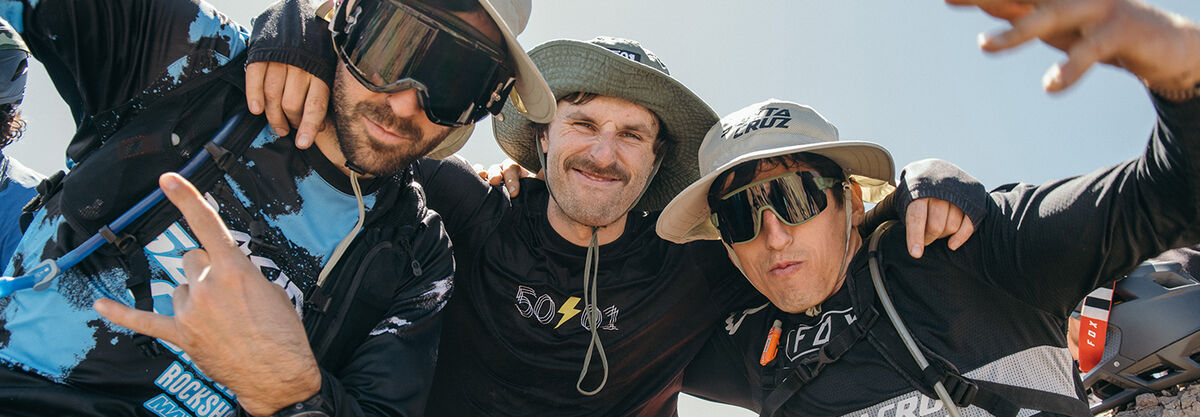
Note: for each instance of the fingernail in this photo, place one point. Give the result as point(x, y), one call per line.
point(1052, 81)
point(915, 251)
point(281, 131)
point(167, 182)
point(304, 139)
point(255, 107)
point(982, 40)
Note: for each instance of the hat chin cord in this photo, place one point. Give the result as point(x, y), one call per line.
point(816, 309)
point(345, 243)
point(591, 271)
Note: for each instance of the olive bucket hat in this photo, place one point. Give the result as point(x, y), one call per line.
point(624, 69)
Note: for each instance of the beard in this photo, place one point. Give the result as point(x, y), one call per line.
point(588, 207)
point(364, 153)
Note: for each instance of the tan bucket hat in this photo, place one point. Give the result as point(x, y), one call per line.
point(762, 130)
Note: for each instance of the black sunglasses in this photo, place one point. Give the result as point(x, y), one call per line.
point(794, 197)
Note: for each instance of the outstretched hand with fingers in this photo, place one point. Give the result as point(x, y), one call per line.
point(239, 328)
point(1158, 47)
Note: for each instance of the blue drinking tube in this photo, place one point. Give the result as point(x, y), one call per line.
point(40, 276)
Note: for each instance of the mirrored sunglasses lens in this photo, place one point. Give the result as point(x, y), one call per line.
point(794, 198)
point(735, 217)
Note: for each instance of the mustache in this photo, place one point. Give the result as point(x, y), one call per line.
point(383, 116)
point(585, 164)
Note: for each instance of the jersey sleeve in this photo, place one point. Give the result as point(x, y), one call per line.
point(454, 190)
point(1051, 244)
point(101, 54)
point(290, 32)
point(935, 178)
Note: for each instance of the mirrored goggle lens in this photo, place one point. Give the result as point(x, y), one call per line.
point(390, 47)
point(794, 198)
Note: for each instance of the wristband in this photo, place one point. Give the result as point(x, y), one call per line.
point(312, 407)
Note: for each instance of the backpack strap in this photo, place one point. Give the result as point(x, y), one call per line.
point(940, 376)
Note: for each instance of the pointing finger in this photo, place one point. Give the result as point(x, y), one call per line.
point(201, 218)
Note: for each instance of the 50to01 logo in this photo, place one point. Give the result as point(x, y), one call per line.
point(543, 309)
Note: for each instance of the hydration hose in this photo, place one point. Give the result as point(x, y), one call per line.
point(39, 277)
point(877, 279)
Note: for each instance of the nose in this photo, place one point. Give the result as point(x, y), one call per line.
point(404, 103)
point(603, 150)
point(774, 233)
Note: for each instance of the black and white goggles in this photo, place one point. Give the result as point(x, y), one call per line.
point(393, 45)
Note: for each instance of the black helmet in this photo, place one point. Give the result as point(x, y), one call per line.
point(1153, 339)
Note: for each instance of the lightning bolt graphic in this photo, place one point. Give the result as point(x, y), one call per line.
point(568, 310)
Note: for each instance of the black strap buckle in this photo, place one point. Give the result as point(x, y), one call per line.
point(962, 390)
point(221, 156)
point(124, 242)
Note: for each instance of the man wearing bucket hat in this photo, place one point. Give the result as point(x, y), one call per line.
point(980, 328)
point(322, 275)
point(566, 303)
point(526, 331)
point(17, 182)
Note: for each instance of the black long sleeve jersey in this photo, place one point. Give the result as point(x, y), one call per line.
point(995, 308)
point(122, 66)
point(515, 335)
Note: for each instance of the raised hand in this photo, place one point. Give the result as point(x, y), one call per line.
point(1161, 48)
point(239, 328)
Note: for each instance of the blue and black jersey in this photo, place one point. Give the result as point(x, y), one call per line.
point(140, 78)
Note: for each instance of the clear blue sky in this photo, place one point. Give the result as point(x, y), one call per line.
point(905, 74)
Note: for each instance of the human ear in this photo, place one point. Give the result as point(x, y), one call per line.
point(856, 203)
